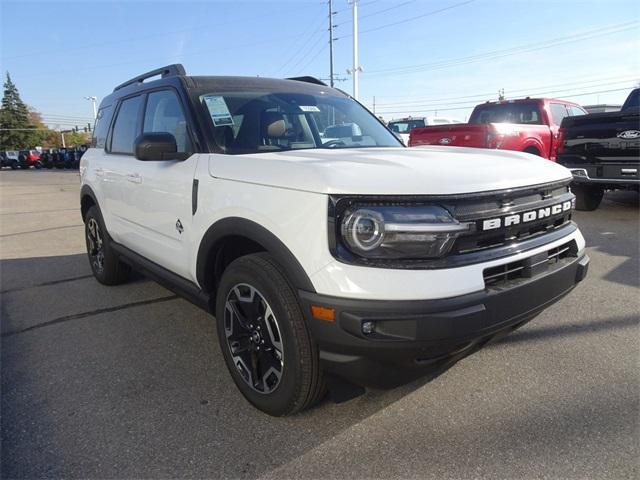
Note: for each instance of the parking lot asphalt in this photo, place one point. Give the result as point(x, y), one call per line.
point(128, 381)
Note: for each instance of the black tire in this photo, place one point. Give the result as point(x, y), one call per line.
point(588, 197)
point(14, 165)
point(105, 264)
point(38, 165)
point(300, 383)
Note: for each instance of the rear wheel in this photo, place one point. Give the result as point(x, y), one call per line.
point(14, 165)
point(105, 264)
point(588, 197)
point(264, 337)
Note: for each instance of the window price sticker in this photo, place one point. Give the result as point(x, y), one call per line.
point(218, 110)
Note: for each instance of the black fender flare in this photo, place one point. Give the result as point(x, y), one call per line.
point(86, 191)
point(236, 226)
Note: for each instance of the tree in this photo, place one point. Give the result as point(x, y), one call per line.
point(14, 115)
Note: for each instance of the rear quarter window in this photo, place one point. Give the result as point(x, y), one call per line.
point(126, 126)
point(101, 127)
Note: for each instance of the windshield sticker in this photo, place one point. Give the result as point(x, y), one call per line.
point(309, 108)
point(218, 110)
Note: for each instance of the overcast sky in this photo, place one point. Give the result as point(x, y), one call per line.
point(419, 56)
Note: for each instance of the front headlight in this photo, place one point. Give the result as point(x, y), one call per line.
point(400, 231)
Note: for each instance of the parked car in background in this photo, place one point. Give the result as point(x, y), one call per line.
point(403, 126)
point(528, 125)
point(29, 158)
point(602, 150)
point(10, 159)
point(46, 158)
point(602, 108)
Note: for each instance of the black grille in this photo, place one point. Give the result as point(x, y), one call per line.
point(506, 274)
point(507, 204)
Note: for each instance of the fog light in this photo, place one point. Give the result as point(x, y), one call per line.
point(368, 327)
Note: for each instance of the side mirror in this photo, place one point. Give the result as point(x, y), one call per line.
point(157, 146)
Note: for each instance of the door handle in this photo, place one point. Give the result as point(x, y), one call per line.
point(134, 178)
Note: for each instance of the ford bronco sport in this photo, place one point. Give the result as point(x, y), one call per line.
point(333, 257)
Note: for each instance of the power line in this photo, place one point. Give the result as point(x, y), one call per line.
point(481, 97)
point(201, 28)
point(506, 52)
point(301, 48)
point(314, 57)
point(416, 17)
point(570, 95)
point(378, 12)
point(428, 99)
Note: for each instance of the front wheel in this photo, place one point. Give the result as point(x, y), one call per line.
point(264, 337)
point(588, 197)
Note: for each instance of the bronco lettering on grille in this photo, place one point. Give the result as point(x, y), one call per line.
point(524, 217)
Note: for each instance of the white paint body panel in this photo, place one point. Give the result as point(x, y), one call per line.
point(430, 170)
point(287, 194)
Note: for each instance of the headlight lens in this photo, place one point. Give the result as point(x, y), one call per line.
point(400, 231)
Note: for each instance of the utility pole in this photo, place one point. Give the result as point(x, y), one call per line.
point(374, 104)
point(356, 67)
point(63, 144)
point(331, 43)
point(93, 103)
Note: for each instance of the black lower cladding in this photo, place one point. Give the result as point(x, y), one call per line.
point(417, 337)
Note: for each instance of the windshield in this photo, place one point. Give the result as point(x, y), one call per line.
point(258, 122)
point(405, 126)
point(526, 113)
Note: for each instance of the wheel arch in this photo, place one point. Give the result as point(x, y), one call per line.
point(87, 200)
point(233, 237)
point(532, 145)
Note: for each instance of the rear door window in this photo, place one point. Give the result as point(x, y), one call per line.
point(558, 112)
point(125, 128)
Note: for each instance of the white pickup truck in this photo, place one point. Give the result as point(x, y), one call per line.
point(325, 260)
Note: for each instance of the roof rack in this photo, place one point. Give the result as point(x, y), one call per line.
point(168, 71)
point(308, 79)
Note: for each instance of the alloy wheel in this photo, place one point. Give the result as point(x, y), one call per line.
point(96, 246)
point(253, 338)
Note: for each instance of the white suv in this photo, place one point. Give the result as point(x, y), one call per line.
point(327, 261)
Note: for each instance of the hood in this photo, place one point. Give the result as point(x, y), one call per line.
point(430, 170)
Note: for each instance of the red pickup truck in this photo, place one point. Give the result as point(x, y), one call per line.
point(527, 125)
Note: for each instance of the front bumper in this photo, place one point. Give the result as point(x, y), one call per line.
point(414, 337)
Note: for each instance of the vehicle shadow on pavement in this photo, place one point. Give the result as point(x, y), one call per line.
point(567, 329)
point(136, 388)
point(619, 240)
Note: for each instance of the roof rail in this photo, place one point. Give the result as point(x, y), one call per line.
point(168, 71)
point(308, 79)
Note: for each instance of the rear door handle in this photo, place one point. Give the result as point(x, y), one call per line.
point(134, 178)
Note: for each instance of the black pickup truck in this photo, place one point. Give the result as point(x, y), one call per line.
point(602, 150)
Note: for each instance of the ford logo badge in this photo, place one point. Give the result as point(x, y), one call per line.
point(446, 141)
point(628, 134)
